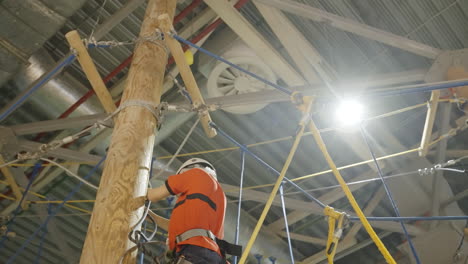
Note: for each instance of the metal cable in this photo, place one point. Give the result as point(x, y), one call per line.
point(72, 174)
point(286, 225)
point(168, 164)
point(239, 206)
point(389, 194)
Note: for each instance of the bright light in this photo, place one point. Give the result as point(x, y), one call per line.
point(349, 113)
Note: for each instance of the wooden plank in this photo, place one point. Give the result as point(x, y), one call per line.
point(90, 70)
point(255, 41)
point(429, 124)
point(125, 174)
point(303, 238)
point(11, 180)
point(187, 75)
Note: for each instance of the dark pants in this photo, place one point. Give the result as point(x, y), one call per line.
point(200, 255)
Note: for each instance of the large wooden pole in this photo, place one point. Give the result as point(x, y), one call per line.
point(128, 161)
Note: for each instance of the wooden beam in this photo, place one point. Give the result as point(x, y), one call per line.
point(262, 197)
point(90, 70)
point(117, 17)
point(186, 73)
point(125, 174)
point(457, 153)
point(11, 180)
point(61, 153)
point(304, 55)
point(307, 239)
point(255, 41)
point(429, 124)
point(353, 26)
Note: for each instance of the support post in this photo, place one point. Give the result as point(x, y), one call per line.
point(90, 70)
point(429, 124)
point(11, 180)
point(187, 75)
point(125, 174)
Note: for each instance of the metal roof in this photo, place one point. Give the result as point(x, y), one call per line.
point(437, 23)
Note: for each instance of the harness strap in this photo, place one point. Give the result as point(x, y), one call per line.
point(224, 246)
point(198, 196)
point(194, 233)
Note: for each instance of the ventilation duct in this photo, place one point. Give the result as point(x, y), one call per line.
point(227, 80)
point(36, 21)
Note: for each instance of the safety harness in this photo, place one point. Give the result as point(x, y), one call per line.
point(336, 223)
point(224, 246)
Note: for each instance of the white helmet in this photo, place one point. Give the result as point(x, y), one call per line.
point(192, 163)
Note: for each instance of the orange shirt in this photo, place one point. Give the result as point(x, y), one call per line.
point(201, 204)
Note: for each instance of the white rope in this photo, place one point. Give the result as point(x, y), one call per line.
point(71, 173)
point(179, 149)
point(8, 163)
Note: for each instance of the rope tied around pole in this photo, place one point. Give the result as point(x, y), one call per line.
point(157, 110)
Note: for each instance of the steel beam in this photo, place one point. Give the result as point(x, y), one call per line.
point(352, 26)
point(60, 153)
point(58, 124)
point(116, 18)
point(296, 45)
point(255, 41)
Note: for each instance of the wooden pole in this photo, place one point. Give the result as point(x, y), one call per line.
point(126, 170)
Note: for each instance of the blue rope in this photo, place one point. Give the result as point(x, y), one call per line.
point(18, 209)
point(53, 213)
point(41, 245)
point(389, 194)
point(244, 148)
point(283, 205)
point(413, 218)
point(43, 235)
point(239, 206)
point(43, 80)
point(98, 46)
point(274, 85)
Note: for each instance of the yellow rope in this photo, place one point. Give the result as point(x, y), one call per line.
point(7, 197)
point(399, 111)
point(329, 171)
point(349, 195)
point(43, 197)
point(272, 196)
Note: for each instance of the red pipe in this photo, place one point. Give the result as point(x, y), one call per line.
point(187, 11)
point(127, 61)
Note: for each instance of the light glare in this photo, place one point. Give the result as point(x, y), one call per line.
point(349, 113)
